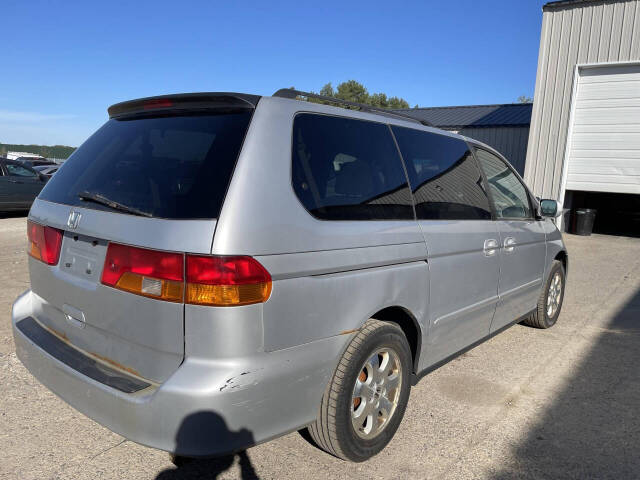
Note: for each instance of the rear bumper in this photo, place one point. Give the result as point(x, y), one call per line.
point(207, 407)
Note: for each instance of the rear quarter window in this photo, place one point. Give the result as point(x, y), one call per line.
point(174, 167)
point(445, 178)
point(348, 169)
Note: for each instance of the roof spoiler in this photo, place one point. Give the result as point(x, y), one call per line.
point(185, 102)
point(294, 94)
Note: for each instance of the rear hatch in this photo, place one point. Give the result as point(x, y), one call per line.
point(153, 177)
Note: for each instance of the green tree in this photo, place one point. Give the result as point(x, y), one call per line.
point(353, 91)
point(524, 99)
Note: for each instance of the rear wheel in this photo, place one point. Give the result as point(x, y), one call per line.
point(551, 297)
point(365, 400)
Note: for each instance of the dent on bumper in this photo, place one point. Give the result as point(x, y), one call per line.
point(206, 407)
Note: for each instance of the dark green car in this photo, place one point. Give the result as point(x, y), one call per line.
point(19, 185)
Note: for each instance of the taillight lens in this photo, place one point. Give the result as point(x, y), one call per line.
point(145, 272)
point(44, 242)
point(226, 281)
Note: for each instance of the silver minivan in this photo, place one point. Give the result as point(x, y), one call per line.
point(210, 271)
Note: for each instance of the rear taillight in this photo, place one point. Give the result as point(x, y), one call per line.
point(144, 272)
point(226, 281)
point(210, 280)
point(44, 242)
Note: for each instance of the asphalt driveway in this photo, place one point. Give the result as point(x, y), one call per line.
point(560, 403)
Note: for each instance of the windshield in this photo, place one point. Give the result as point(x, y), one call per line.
point(170, 167)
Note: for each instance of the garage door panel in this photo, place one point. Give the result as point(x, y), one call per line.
point(617, 179)
point(602, 141)
point(608, 155)
point(607, 116)
point(608, 103)
point(601, 186)
point(619, 166)
point(599, 128)
point(604, 148)
point(596, 91)
point(610, 74)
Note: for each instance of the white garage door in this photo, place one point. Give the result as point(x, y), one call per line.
point(604, 153)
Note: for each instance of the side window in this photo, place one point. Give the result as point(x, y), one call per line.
point(509, 195)
point(19, 171)
point(444, 176)
point(346, 169)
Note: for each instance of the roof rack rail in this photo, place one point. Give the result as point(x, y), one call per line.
point(293, 94)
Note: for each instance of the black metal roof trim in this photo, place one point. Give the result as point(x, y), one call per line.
point(184, 101)
point(294, 94)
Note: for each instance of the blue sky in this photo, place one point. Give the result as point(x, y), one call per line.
point(64, 63)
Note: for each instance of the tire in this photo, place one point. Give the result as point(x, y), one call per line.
point(544, 316)
point(376, 364)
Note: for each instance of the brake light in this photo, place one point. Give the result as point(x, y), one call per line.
point(157, 103)
point(144, 272)
point(226, 281)
point(44, 242)
point(210, 280)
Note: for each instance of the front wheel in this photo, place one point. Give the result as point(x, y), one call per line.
point(551, 297)
point(365, 400)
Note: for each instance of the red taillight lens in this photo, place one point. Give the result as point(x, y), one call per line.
point(44, 242)
point(144, 272)
point(226, 281)
point(157, 103)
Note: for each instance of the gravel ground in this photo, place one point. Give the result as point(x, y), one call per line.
point(559, 403)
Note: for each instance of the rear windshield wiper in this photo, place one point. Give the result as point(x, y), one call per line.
point(102, 200)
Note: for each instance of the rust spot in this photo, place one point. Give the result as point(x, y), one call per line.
point(58, 334)
point(63, 337)
point(116, 364)
point(347, 332)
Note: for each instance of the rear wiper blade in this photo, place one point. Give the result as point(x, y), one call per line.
point(102, 200)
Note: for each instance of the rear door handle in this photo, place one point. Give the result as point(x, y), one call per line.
point(14, 181)
point(490, 247)
point(509, 244)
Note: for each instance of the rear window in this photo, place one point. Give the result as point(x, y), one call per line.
point(174, 167)
point(346, 169)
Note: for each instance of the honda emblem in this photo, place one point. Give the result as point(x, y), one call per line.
point(74, 219)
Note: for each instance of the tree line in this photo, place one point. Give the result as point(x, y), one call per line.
point(47, 151)
point(353, 91)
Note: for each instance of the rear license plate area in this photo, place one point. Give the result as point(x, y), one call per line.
point(83, 256)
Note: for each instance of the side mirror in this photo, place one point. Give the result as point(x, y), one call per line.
point(549, 208)
point(42, 177)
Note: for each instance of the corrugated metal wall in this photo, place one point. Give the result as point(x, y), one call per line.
point(574, 33)
point(509, 141)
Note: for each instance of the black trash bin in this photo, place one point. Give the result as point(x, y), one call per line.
point(584, 218)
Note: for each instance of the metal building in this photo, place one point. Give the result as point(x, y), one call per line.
point(504, 127)
point(584, 141)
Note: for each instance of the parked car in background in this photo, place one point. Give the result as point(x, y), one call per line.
point(35, 161)
point(47, 170)
point(19, 185)
point(214, 270)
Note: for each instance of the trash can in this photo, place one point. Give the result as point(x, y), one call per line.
point(584, 218)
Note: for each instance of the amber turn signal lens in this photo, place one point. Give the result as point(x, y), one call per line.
point(168, 290)
point(228, 295)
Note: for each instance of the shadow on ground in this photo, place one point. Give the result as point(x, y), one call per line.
point(202, 432)
point(592, 430)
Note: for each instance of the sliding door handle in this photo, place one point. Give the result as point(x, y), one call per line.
point(509, 244)
point(490, 247)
